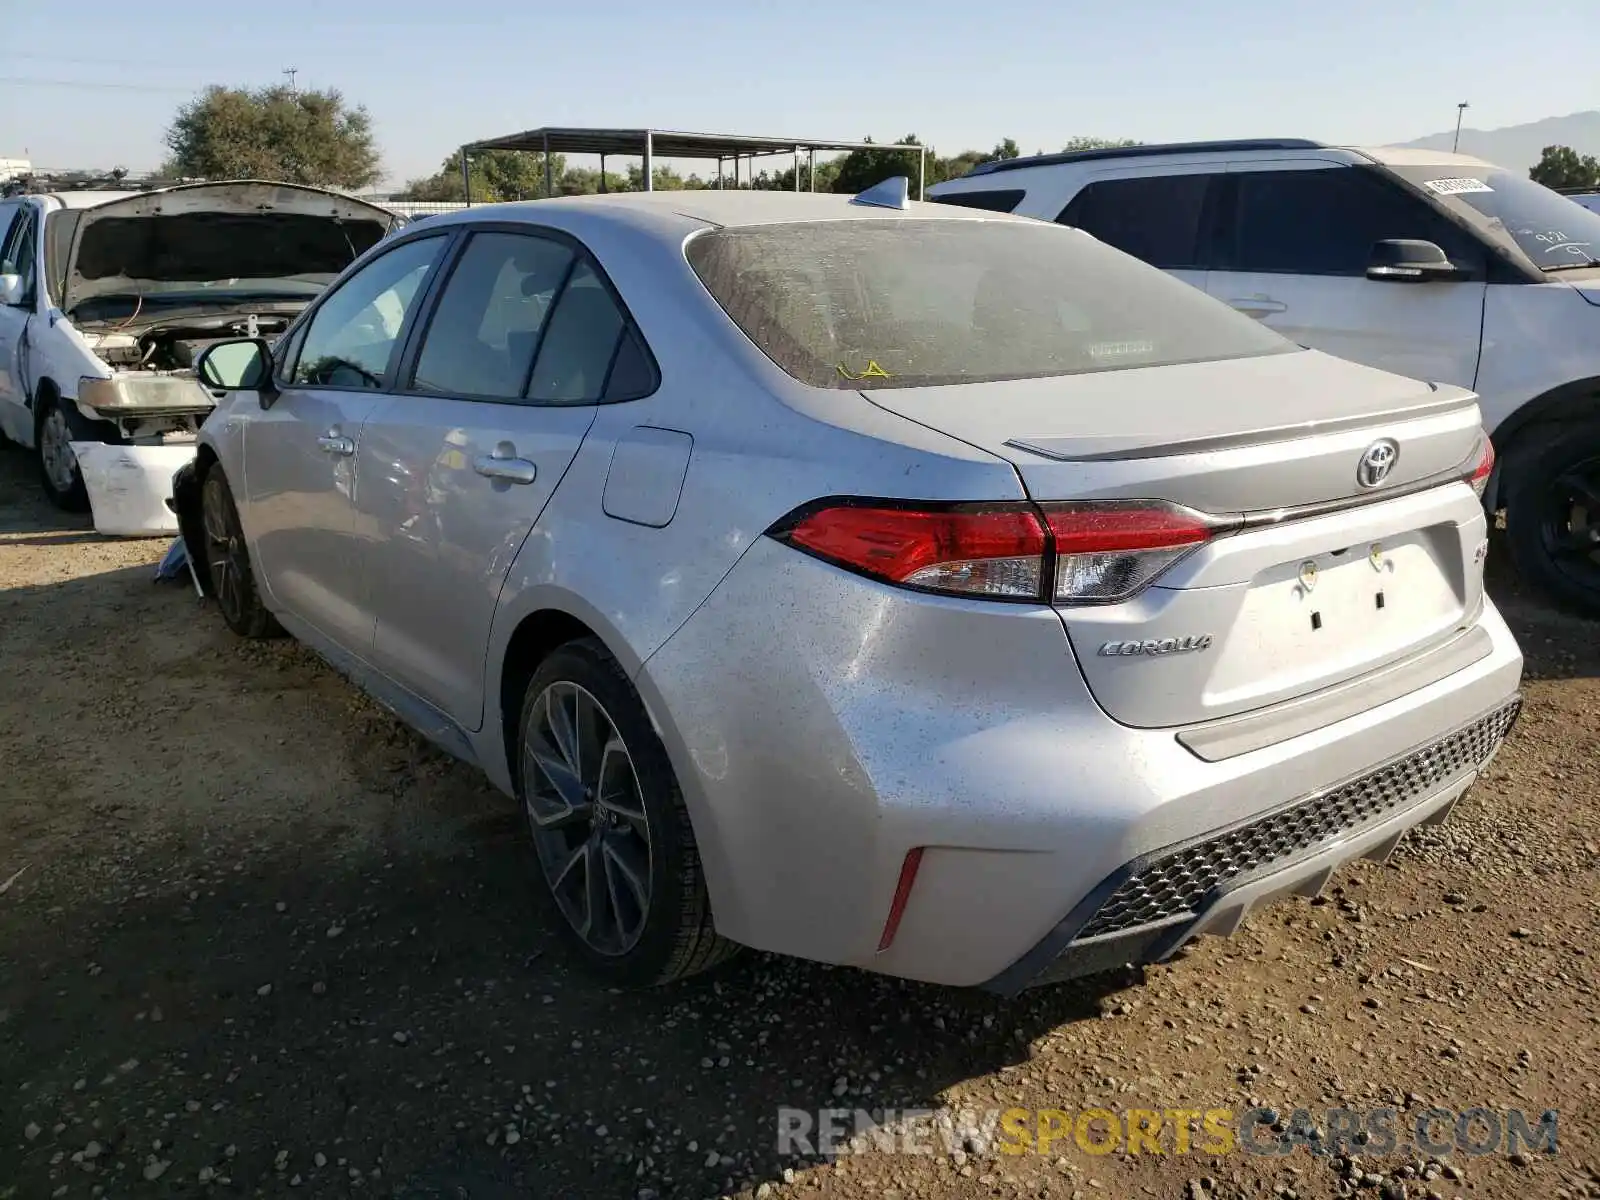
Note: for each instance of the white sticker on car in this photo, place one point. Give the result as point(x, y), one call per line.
point(1451, 187)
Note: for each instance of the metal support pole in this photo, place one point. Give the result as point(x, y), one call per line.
point(649, 161)
point(922, 170)
point(812, 169)
point(719, 172)
point(602, 174)
point(466, 178)
point(549, 175)
point(797, 168)
point(736, 172)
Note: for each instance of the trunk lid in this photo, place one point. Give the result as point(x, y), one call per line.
point(1321, 578)
point(206, 234)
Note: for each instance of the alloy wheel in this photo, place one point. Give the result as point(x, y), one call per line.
point(55, 450)
point(588, 818)
point(225, 553)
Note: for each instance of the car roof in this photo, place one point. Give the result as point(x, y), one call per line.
point(690, 210)
point(1412, 156)
point(1239, 148)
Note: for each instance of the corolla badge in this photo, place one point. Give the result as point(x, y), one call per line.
point(1156, 646)
point(1377, 462)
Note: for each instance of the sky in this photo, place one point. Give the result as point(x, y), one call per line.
point(92, 83)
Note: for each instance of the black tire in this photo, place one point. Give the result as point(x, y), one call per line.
point(226, 561)
point(675, 936)
point(1552, 498)
point(55, 418)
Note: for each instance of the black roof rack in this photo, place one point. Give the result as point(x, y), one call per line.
point(1072, 156)
point(42, 183)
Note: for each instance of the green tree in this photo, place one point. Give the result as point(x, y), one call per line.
point(860, 169)
point(1097, 143)
point(664, 179)
point(1562, 167)
point(277, 133)
point(496, 175)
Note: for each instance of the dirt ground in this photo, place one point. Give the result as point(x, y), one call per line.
point(265, 942)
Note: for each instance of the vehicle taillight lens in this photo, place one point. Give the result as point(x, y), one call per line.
point(967, 550)
point(1110, 551)
point(1070, 553)
point(1479, 475)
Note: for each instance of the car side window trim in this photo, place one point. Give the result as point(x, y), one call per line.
point(573, 264)
point(295, 336)
point(413, 339)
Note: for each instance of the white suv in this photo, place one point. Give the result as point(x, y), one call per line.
point(1437, 266)
point(106, 298)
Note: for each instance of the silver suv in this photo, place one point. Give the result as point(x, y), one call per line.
point(945, 594)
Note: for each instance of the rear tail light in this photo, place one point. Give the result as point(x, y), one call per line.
point(1478, 477)
point(1107, 552)
point(969, 550)
point(1096, 552)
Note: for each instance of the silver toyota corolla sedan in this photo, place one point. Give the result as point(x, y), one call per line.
point(904, 586)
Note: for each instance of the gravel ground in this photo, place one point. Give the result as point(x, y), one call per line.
point(265, 942)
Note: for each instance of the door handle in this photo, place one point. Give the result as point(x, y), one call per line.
point(334, 443)
point(1259, 306)
point(504, 464)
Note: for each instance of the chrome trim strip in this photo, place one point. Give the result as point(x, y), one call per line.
point(1322, 508)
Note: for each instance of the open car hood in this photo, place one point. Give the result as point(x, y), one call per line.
point(209, 233)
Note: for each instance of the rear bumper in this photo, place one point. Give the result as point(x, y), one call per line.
point(822, 726)
point(1151, 907)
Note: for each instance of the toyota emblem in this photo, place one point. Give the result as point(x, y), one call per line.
point(1377, 462)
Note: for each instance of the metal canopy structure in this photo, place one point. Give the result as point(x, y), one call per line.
point(647, 144)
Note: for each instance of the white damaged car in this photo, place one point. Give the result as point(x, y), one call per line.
point(106, 299)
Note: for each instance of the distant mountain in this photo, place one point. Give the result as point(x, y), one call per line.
point(1517, 147)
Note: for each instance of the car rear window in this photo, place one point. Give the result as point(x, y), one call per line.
point(919, 302)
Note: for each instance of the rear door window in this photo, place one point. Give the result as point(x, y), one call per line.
point(585, 333)
point(1325, 221)
point(485, 330)
point(1156, 218)
point(877, 303)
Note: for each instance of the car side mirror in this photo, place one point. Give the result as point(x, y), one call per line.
point(238, 365)
point(10, 289)
point(1405, 260)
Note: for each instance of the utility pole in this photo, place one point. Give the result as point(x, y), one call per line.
point(1460, 109)
point(291, 72)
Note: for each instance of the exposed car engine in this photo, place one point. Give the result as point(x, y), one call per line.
point(175, 347)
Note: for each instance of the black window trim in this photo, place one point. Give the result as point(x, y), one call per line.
point(405, 368)
point(1225, 246)
point(1209, 229)
point(961, 199)
point(381, 249)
